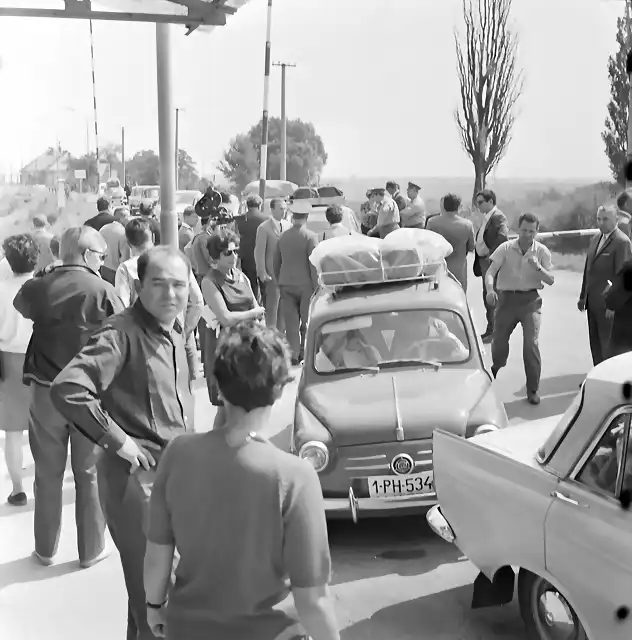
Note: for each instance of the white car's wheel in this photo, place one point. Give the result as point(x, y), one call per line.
point(546, 612)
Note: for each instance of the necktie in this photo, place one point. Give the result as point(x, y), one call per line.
point(600, 243)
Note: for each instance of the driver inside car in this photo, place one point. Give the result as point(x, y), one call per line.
point(429, 340)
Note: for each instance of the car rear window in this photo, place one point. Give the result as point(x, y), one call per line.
point(563, 427)
point(391, 339)
point(304, 194)
point(329, 192)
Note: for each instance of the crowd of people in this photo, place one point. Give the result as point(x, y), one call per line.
point(101, 332)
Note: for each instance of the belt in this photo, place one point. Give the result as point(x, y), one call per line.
point(518, 291)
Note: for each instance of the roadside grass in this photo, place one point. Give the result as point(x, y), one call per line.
point(568, 261)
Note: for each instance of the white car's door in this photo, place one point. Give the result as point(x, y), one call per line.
point(589, 535)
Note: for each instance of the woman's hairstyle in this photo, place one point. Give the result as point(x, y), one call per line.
point(334, 214)
point(252, 365)
point(21, 252)
point(219, 240)
point(138, 232)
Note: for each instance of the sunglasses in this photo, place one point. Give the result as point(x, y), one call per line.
point(230, 252)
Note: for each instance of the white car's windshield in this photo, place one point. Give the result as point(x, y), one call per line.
point(391, 339)
point(568, 419)
point(137, 191)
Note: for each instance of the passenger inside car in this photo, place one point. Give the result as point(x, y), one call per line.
point(346, 350)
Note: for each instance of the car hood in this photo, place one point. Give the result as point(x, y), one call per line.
point(519, 442)
point(368, 409)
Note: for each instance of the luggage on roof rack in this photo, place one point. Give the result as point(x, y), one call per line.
point(404, 254)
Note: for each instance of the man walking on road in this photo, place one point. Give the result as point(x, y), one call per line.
point(266, 241)
point(247, 228)
point(186, 233)
point(128, 391)
point(490, 235)
point(518, 270)
point(66, 306)
point(103, 216)
point(607, 253)
point(296, 276)
point(42, 236)
point(118, 249)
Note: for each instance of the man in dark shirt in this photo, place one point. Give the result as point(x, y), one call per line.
point(103, 216)
point(128, 391)
point(66, 305)
point(296, 276)
point(247, 228)
point(393, 189)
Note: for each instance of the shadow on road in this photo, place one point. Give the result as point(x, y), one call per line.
point(27, 570)
point(439, 616)
point(556, 394)
point(382, 546)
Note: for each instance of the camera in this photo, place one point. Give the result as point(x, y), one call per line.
point(213, 205)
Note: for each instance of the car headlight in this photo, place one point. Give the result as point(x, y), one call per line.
point(316, 453)
point(485, 428)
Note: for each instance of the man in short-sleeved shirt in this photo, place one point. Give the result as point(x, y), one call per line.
point(245, 542)
point(519, 268)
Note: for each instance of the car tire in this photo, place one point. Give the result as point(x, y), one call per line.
point(532, 589)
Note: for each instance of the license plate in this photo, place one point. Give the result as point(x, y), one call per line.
point(397, 486)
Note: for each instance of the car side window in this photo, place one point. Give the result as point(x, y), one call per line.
point(609, 468)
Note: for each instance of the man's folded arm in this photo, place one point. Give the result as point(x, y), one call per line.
point(76, 391)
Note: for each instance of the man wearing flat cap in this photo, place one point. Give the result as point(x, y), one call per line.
point(296, 276)
point(414, 215)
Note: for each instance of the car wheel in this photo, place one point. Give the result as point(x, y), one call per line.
point(546, 612)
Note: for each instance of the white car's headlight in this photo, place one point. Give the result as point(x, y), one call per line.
point(316, 453)
point(485, 428)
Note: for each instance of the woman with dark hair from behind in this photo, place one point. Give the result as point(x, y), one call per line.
point(22, 254)
point(228, 296)
point(238, 547)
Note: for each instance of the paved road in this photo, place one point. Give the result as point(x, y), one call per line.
point(392, 578)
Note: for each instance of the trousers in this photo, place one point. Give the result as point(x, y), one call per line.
point(599, 330)
point(49, 437)
point(524, 308)
point(490, 312)
point(295, 305)
point(273, 305)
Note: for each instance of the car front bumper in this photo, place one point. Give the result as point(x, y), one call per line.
point(354, 506)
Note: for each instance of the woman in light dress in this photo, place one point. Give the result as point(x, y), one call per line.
point(22, 253)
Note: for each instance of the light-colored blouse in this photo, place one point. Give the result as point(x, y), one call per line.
point(15, 330)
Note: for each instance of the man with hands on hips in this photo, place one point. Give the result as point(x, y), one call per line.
point(520, 267)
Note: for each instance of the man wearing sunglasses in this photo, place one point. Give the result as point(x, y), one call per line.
point(66, 304)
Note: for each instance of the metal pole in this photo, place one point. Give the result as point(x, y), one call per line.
point(166, 137)
point(263, 166)
point(94, 101)
point(284, 66)
point(177, 146)
point(123, 154)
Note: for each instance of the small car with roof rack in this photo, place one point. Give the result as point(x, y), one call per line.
point(391, 354)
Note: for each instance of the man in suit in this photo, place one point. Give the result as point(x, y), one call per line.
point(619, 301)
point(247, 228)
point(187, 228)
point(493, 231)
point(607, 254)
point(395, 193)
point(266, 240)
point(624, 203)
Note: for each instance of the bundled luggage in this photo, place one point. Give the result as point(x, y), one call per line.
point(357, 260)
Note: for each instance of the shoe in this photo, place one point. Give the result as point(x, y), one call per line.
point(487, 337)
point(533, 397)
point(86, 564)
point(47, 562)
point(17, 499)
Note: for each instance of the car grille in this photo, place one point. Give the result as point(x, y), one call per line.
point(353, 465)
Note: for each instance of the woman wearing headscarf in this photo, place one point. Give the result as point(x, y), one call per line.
point(228, 296)
point(22, 253)
point(248, 519)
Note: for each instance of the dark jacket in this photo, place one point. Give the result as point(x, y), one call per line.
point(100, 220)
point(400, 201)
point(619, 300)
point(66, 306)
point(247, 228)
point(602, 267)
point(496, 232)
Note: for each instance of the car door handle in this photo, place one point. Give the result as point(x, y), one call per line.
point(568, 500)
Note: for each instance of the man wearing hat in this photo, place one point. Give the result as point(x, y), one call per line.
point(414, 215)
point(296, 276)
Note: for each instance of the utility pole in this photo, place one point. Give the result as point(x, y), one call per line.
point(177, 148)
point(263, 164)
point(123, 155)
point(166, 137)
point(284, 66)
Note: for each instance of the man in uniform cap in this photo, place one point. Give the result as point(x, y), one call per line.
point(414, 215)
point(296, 276)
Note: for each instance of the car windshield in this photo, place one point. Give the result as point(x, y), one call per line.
point(329, 192)
point(304, 193)
point(152, 193)
point(391, 339)
point(112, 184)
point(568, 419)
point(137, 191)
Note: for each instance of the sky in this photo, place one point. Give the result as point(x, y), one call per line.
point(376, 77)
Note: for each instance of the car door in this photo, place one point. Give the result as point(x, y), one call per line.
point(589, 535)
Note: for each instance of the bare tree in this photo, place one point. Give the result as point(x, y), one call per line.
point(490, 84)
